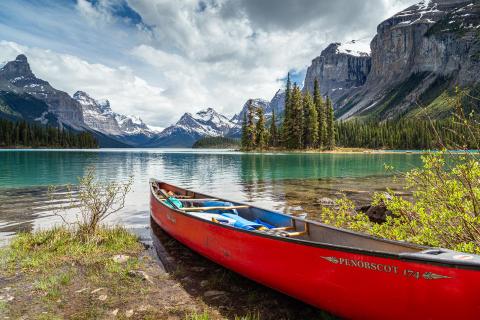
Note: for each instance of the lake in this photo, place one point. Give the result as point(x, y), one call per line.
point(289, 182)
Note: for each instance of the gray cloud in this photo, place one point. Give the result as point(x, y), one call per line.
point(160, 58)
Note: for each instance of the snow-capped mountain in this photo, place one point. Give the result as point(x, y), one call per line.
point(192, 127)
point(17, 78)
point(99, 116)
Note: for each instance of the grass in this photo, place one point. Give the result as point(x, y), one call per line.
point(205, 316)
point(48, 249)
point(51, 268)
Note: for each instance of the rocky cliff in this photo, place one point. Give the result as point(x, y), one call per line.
point(340, 69)
point(17, 77)
point(417, 56)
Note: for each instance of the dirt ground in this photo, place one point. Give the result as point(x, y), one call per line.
point(161, 280)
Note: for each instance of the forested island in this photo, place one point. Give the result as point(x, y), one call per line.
point(27, 135)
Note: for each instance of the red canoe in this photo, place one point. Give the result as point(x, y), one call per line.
point(352, 275)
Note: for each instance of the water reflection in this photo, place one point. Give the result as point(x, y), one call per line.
point(288, 182)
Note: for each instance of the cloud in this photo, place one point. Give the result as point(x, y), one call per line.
point(128, 93)
point(160, 58)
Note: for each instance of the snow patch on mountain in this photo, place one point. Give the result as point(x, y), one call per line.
point(99, 115)
point(357, 48)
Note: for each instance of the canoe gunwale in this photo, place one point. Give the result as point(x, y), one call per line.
point(405, 257)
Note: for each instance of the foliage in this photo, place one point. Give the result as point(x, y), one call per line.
point(216, 142)
point(404, 134)
point(95, 200)
point(16, 134)
point(321, 115)
point(330, 138)
point(308, 123)
point(273, 134)
point(445, 209)
point(296, 119)
point(310, 132)
point(261, 132)
point(250, 134)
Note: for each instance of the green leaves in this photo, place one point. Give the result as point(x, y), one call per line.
point(444, 211)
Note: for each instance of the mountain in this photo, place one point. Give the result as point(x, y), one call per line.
point(23, 96)
point(17, 78)
point(340, 69)
point(417, 57)
point(99, 116)
point(191, 127)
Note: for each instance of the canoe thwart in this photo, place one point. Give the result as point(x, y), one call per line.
point(197, 200)
point(214, 208)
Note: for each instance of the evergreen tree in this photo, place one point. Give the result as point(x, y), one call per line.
point(296, 119)
point(321, 115)
point(244, 140)
point(273, 142)
point(310, 137)
point(24, 134)
point(250, 131)
point(330, 125)
point(261, 133)
point(286, 126)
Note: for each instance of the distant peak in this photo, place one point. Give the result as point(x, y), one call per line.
point(80, 93)
point(207, 110)
point(21, 58)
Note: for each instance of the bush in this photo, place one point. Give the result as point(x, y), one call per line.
point(444, 212)
point(96, 201)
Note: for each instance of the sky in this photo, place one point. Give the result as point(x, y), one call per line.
point(161, 58)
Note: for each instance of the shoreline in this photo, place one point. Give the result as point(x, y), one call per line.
point(104, 281)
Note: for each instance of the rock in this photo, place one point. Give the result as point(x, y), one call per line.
point(114, 312)
point(20, 78)
point(102, 297)
point(198, 269)
point(327, 202)
point(140, 274)
point(81, 290)
point(129, 313)
point(96, 290)
point(340, 69)
point(430, 46)
point(120, 258)
point(377, 214)
point(214, 293)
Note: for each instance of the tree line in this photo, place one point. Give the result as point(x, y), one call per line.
point(23, 134)
point(308, 123)
point(404, 134)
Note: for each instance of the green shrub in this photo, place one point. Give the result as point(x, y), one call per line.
point(444, 212)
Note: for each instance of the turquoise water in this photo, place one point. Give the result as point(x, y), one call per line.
point(275, 181)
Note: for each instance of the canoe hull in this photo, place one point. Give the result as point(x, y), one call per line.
point(349, 284)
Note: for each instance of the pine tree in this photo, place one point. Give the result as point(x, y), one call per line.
point(250, 131)
point(310, 137)
point(321, 115)
point(244, 132)
point(286, 126)
point(330, 125)
point(273, 142)
point(296, 119)
point(260, 131)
